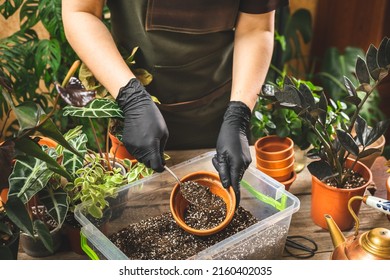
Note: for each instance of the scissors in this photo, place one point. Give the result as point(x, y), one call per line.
point(303, 249)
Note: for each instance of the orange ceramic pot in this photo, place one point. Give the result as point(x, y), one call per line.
point(273, 147)
point(4, 195)
point(279, 174)
point(334, 201)
point(289, 182)
point(270, 164)
point(178, 204)
point(47, 141)
point(119, 150)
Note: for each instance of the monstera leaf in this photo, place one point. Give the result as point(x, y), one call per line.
point(98, 108)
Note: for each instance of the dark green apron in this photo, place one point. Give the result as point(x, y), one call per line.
point(187, 46)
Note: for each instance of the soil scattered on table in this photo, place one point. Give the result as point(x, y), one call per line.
point(160, 238)
point(206, 210)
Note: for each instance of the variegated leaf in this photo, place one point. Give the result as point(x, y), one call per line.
point(98, 108)
point(72, 162)
point(56, 203)
point(29, 176)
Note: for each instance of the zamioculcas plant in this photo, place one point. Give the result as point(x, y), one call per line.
point(334, 149)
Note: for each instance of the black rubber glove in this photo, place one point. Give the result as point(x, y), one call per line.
point(233, 156)
point(145, 132)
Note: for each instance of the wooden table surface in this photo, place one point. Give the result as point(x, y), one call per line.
point(301, 223)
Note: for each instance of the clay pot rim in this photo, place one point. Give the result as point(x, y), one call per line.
point(369, 181)
point(229, 212)
point(289, 145)
point(266, 161)
point(272, 170)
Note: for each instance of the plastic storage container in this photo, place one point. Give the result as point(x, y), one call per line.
point(263, 196)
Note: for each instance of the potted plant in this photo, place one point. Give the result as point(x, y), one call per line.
point(332, 168)
point(32, 170)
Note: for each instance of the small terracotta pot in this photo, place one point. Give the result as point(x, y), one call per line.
point(279, 174)
point(334, 201)
point(119, 150)
point(273, 147)
point(289, 182)
point(47, 141)
point(179, 204)
point(270, 164)
point(4, 195)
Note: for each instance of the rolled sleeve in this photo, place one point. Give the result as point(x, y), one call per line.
point(261, 6)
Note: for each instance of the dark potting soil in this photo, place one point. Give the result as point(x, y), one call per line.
point(159, 238)
point(354, 181)
point(206, 210)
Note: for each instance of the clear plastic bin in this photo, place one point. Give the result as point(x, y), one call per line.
point(261, 195)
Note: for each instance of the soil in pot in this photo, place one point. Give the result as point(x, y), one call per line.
point(199, 214)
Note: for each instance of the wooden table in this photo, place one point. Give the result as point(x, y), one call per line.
point(301, 223)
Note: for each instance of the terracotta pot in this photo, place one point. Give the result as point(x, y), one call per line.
point(4, 195)
point(388, 192)
point(47, 141)
point(334, 201)
point(178, 204)
point(270, 164)
point(289, 181)
point(273, 147)
point(279, 174)
point(119, 150)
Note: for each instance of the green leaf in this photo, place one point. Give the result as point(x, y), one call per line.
point(18, 214)
point(9, 7)
point(98, 108)
point(49, 129)
point(32, 149)
point(56, 202)
point(47, 56)
point(95, 211)
point(372, 64)
point(28, 115)
point(44, 235)
point(29, 15)
point(30, 175)
point(71, 161)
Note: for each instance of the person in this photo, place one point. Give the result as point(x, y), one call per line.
point(208, 60)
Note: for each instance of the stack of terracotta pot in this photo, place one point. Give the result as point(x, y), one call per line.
point(275, 157)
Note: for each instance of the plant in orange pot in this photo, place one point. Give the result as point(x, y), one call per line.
point(335, 175)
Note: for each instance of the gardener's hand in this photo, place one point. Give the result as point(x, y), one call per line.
point(233, 155)
point(145, 132)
